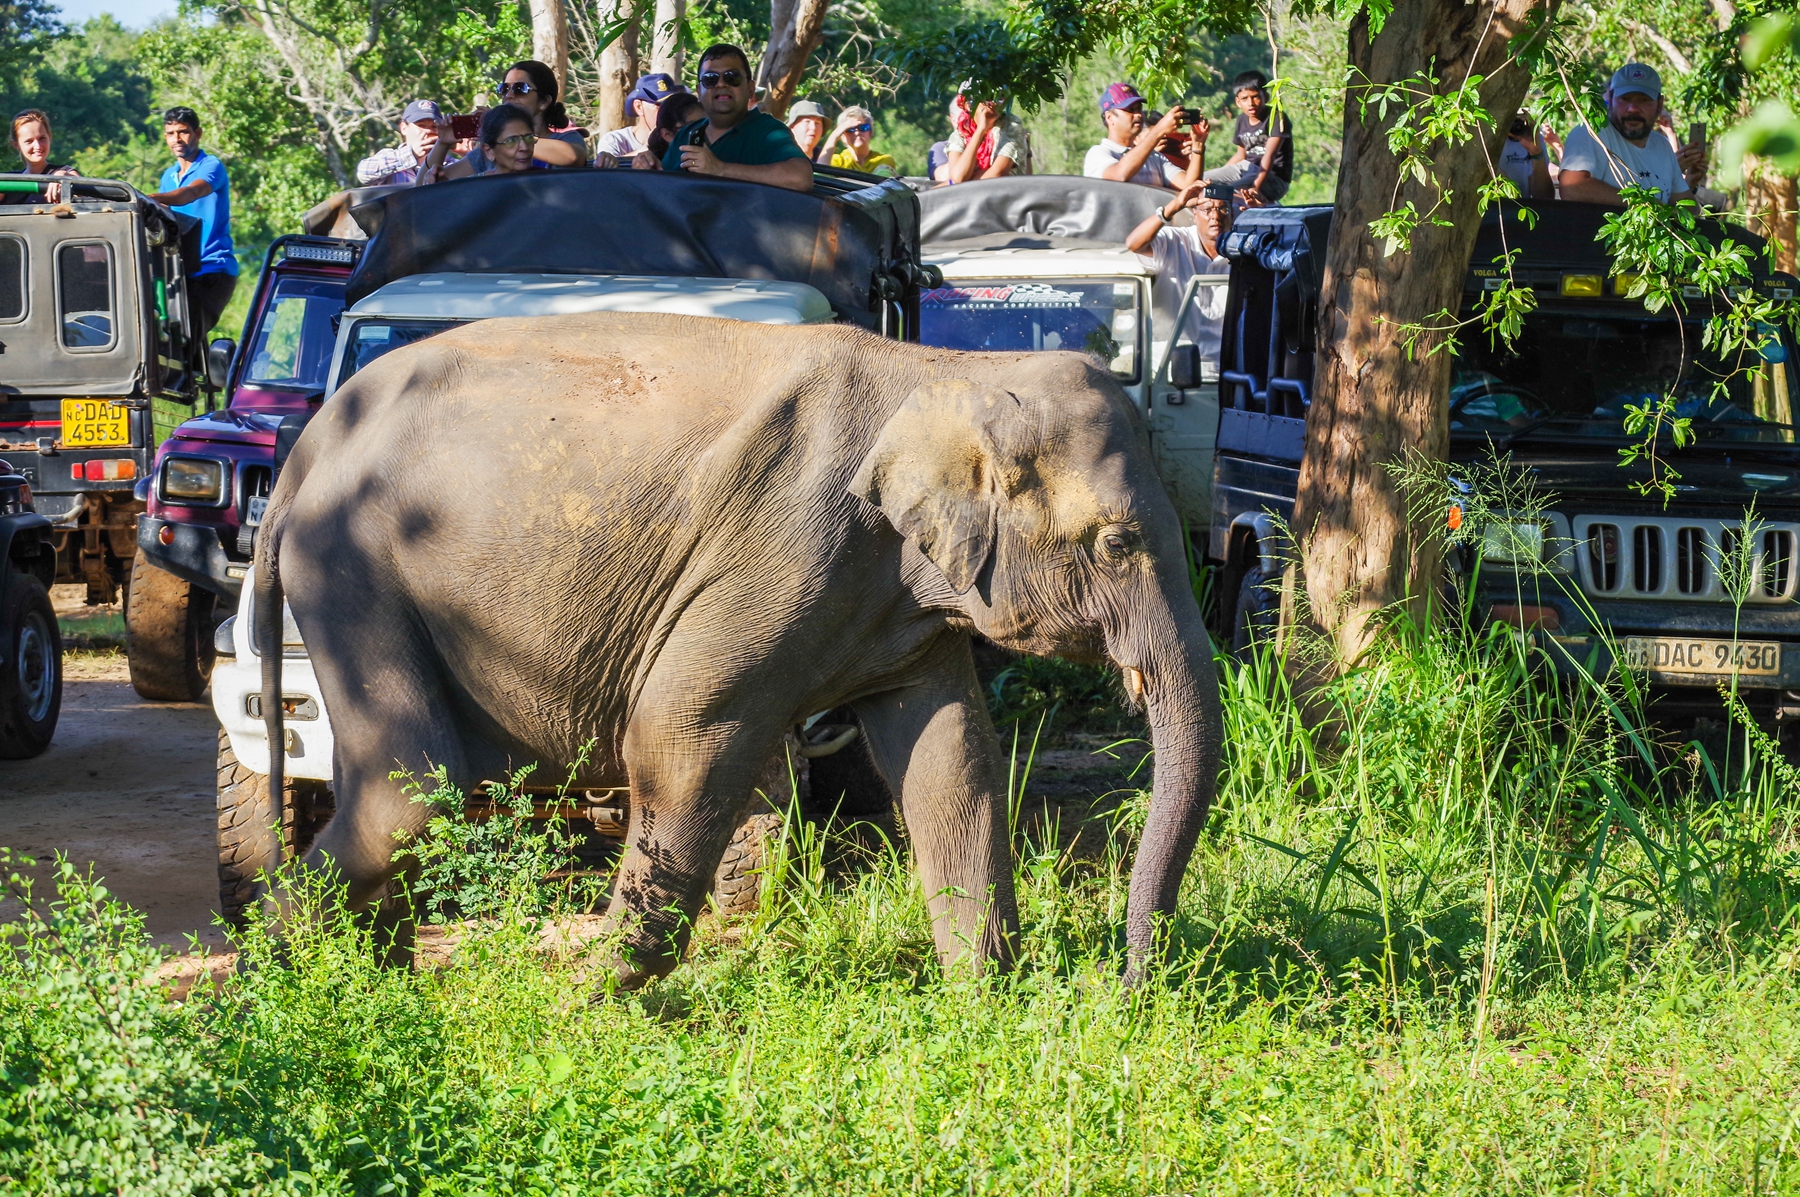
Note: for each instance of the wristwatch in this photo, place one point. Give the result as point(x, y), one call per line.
point(1163, 215)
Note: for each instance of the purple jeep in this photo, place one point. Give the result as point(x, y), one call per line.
point(205, 494)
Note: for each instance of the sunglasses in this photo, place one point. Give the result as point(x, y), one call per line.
point(714, 78)
point(860, 129)
point(516, 89)
point(517, 140)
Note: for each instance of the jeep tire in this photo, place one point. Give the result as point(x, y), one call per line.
point(168, 634)
point(247, 825)
point(1258, 611)
point(31, 672)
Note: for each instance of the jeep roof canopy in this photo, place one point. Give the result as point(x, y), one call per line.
point(851, 238)
point(1038, 207)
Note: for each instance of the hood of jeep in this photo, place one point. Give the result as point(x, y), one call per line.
point(228, 428)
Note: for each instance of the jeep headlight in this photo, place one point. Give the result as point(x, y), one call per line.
point(1514, 543)
point(193, 480)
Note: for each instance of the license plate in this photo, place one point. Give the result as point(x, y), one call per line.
point(1686, 656)
point(253, 511)
point(94, 423)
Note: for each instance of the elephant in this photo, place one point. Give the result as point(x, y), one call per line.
point(671, 538)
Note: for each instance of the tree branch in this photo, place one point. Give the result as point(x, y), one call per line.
point(1676, 58)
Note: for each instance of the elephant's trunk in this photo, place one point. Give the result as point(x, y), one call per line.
point(1182, 695)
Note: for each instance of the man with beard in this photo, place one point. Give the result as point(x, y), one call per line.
point(1628, 151)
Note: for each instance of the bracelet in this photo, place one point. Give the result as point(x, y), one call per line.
point(1163, 216)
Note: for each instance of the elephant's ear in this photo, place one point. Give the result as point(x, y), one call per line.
point(935, 474)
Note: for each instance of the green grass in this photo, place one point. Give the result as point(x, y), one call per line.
point(1455, 932)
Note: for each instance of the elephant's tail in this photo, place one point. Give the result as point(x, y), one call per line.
point(267, 635)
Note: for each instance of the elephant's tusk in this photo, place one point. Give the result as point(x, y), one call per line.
point(842, 740)
point(1134, 683)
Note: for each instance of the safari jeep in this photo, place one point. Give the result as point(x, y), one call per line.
point(1038, 262)
point(97, 362)
point(1604, 565)
point(499, 246)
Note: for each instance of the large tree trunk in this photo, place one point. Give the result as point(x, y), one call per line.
point(1770, 198)
point(665, 43)
point(619, 67)
point(796, 27)
point(1373, 401)
point(550, 40)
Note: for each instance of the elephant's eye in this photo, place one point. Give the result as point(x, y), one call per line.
point(1114, 544)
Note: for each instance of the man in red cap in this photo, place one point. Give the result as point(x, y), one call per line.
point(1127, 157)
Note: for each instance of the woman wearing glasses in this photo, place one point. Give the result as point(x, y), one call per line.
point(854, 127)
point(528, 87)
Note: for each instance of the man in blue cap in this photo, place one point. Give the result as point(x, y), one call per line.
point(420, 126)
point(1629, 150)
point(640, 114)
point(197, 186)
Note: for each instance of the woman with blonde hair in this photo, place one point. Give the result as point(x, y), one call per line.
point(855, 126)
point(31, 138)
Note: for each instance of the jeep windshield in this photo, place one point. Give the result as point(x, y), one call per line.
point(377, 336)
point(1086, 315)
point(1572, 372)
point(292, 348)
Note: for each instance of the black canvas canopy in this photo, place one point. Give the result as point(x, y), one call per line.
point(853, 238)
point(1060, 207)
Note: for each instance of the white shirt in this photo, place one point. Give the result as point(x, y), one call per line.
point(621, 143)
point(1609, 158)
point(1177, 256)
point(1157, 171)
point(1515, 164)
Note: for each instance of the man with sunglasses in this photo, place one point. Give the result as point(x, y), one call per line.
point(734, 141)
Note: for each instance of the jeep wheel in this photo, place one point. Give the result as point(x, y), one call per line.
point(246, 827)
point(31, 674)
point(737, 886)
point(168, 634)
point(1258, 612)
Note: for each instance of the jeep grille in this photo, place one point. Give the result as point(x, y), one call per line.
point(1679, 559)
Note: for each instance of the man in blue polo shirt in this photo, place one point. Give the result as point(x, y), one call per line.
point(735, 141)
point(197, 186)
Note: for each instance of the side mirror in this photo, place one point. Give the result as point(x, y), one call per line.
point(218, 362)
point(1184, 367)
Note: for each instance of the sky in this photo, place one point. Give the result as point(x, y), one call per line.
point(133, 13)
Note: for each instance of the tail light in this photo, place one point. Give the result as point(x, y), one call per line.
point(110, 469)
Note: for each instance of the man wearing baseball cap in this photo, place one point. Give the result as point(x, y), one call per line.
point(1127, 157)
point(640, 116)
point(1628, 150)
point(400, 164)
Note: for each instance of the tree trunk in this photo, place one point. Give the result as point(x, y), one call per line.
point(665, 44)
point(1770, 198)
point(550, 39)
point(795, 29)
point(1373, 401)
point(619, 67)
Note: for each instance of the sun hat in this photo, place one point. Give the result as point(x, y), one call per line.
point(803, 109)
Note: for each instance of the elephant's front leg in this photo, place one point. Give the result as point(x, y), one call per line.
point(935, 745)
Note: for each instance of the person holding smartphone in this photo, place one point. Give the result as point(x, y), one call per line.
point(1129, 155)
point(733, 140)
point(530, 87)
point(1525, 159)
point(1627, 151)
point(419, 132)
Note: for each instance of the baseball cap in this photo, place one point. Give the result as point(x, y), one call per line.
point(1119, 95)
point(422, 112)
point(654, 88)
point(1636, 77)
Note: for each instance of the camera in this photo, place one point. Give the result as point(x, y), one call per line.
point(1218, 191)
point(1521, 126)
point(465, 127)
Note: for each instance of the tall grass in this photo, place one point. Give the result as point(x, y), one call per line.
point(1455, 927)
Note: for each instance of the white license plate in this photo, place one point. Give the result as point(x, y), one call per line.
point(1688, 656)
point(253, 511)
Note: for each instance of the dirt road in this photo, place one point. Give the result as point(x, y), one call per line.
point(128, 786)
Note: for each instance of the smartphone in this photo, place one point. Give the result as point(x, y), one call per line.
point(1219, 191)
point(1696, 133)
point(465, 127)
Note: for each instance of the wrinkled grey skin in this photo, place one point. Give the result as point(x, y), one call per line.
point(676, 537)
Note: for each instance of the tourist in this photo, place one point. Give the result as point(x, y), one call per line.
point(420, 127)
point(985, 143)
point(1525, 159)
point(1128, 152)
point(1178, 253)
point(31, 138)
point(197, 185)
point(855, 128)
point(530, 87)
point(806, 121)
point(734, 141)
point(642, 107)
point(1262, 166)
point(1627, 151)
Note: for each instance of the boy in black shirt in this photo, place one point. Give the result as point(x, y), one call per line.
point(1263, 164)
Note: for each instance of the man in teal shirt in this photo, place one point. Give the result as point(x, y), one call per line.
point(735, 141)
